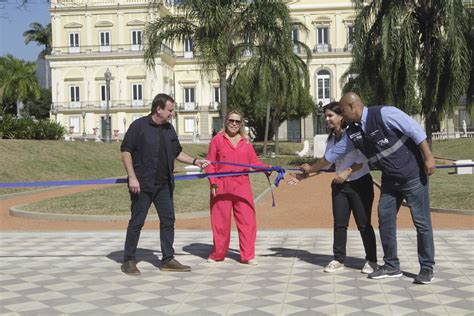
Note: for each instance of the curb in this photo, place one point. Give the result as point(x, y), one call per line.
point(15, 211)
point(21, 193)
point(93, 218)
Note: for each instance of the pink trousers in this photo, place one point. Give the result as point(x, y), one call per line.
point(222, 207)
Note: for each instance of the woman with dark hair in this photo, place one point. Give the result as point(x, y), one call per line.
point(352, 189)
point(232, 194)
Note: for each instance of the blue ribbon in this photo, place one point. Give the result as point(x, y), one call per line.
point(119, 180)
point(280, 176)
point(454, 166)
point(279, 170)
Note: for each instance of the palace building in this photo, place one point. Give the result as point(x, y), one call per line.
point(95, 37)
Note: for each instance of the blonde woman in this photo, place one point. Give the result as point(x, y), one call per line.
point(232, 194)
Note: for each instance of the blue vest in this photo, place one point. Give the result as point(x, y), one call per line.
point(395, 154)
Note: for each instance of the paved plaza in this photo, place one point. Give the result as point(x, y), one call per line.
point(46, 273)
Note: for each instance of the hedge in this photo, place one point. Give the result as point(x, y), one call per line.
point(12, 127)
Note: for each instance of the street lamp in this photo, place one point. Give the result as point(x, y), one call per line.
point(124, 124)
point(83, 124)
point(108, 131)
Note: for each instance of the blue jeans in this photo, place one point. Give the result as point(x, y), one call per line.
point(163, 201)
point(415, 193)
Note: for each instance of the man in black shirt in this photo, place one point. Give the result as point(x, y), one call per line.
point(149, 150)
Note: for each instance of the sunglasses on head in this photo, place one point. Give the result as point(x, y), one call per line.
point(234, 121)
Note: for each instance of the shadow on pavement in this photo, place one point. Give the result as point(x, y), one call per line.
point(203, 250)
point(314, 258)
point(147, 255)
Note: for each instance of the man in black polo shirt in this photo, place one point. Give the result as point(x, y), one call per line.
point(149, 149)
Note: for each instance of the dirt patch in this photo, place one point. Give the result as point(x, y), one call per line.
point(306, 205)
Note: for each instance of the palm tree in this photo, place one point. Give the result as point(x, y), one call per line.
point(278, 78)
point(221, 31)
point(413, 51)
point(41, 35)
point(17, 82)
point(212, 25)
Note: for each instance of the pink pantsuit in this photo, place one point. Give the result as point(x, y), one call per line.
point(233, 193)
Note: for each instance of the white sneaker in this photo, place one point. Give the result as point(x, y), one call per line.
point(369, 267)
point(334, 266)
point(209, 260)
point(252, 262)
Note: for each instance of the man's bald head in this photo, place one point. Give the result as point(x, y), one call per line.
point(351, 107)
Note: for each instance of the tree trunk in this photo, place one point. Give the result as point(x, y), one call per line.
point(267, 125)
point(19, 107)
point(428, 107)
point(276, 131)
point(223, 88)
point(429, 120)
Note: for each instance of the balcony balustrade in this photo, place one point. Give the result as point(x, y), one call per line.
point(188, 107)
point(101, 105)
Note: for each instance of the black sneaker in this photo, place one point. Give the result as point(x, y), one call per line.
point(425, 276)
point(385, 272)
point(175, 266)
point(130, 267)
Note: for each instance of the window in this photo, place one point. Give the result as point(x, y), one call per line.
point(350, 37)
point(248, 51)
point(137, 94)
point(74, 43)
point(295, 37)
point(74, 97)
point(188, 48)
point(75, 124)
point(137, 40)
point(189, 95)
point(104, 45)
point(216, 99)
point(323, 89)
point(188, 125)
point(322, 39)
point(189, 99)
point(103, 95)
point(217, 94)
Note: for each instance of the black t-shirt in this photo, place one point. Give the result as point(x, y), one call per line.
point(142, 140)
point(162, 171)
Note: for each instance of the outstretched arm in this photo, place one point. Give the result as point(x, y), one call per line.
point(185, 158)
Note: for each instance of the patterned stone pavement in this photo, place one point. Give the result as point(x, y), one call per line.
point(79, 273)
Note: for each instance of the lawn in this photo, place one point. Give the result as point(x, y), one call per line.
point(58, 160)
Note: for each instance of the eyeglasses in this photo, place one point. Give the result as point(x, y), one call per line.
point(234, 121)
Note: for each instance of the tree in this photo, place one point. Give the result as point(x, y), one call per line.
point(212, 25)
point(41, 35)
point(40, 108)
point(17, 82)
point(221, 32)
point(406, 51)
point(278, 79)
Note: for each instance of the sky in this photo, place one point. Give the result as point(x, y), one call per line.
point(15, 20)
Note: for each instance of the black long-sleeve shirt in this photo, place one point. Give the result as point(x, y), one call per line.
point(142, 141)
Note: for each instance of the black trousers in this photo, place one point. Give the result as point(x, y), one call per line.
point(161, 197)
point(358, 196)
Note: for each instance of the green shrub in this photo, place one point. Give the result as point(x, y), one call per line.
point(12, 127)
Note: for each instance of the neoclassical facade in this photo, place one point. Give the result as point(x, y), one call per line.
point(91, 36)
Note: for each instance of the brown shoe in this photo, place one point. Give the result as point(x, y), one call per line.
point(130, 267)
point(174, 265)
